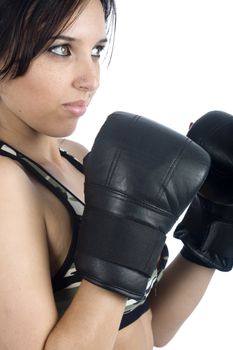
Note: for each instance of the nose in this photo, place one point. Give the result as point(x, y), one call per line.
point(86, 75)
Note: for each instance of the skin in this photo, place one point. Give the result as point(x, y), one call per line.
point(34, 121)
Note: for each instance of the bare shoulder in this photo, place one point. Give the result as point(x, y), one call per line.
point(20, 207)
point(15, 180)
point(20, 203)
point(74, 148)
point(12, 171)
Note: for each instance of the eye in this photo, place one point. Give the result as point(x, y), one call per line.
point(96, 51)
point(60, 50)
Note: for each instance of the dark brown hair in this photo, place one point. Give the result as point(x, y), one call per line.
point(27, 28)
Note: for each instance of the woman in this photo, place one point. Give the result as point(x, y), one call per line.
point(49, 54)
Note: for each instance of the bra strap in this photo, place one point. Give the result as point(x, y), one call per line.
point(72, 203)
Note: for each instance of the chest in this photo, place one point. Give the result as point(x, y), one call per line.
point(57, 217)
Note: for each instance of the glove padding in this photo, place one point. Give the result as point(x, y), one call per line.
point(207, 227)
point(139, 178)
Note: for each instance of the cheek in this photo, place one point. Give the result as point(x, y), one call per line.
point(42, 86)
point(46, 81)
point(33, 94)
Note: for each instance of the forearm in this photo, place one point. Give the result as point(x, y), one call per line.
point(93, 318)
point(177, 294)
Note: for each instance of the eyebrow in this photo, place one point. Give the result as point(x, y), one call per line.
point(71, 39)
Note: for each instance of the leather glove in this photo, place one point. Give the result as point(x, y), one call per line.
point(207, 227)
point(139, 178)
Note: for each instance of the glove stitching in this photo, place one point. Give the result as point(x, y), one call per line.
point(113, 166)
point(127, 217)
point(172, 167)
point(146, 205)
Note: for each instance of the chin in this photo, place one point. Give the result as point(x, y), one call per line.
point(60, 132)
point(60, 135)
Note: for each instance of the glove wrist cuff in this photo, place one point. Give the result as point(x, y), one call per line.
point(120, 279)
point(114, 239)
point(188, 255)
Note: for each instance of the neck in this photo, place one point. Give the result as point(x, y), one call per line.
point(41, 148)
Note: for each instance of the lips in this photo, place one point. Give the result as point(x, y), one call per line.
point(77, 108)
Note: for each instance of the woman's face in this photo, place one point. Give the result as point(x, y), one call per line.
point(60, 83)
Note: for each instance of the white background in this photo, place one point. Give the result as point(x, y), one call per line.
point(173, 62)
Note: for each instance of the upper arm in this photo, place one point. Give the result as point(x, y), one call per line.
point(27, 308)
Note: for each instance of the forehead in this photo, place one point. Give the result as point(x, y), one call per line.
point(90, 23)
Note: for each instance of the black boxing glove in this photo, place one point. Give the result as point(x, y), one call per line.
point(207, 227)
point(139, 177)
